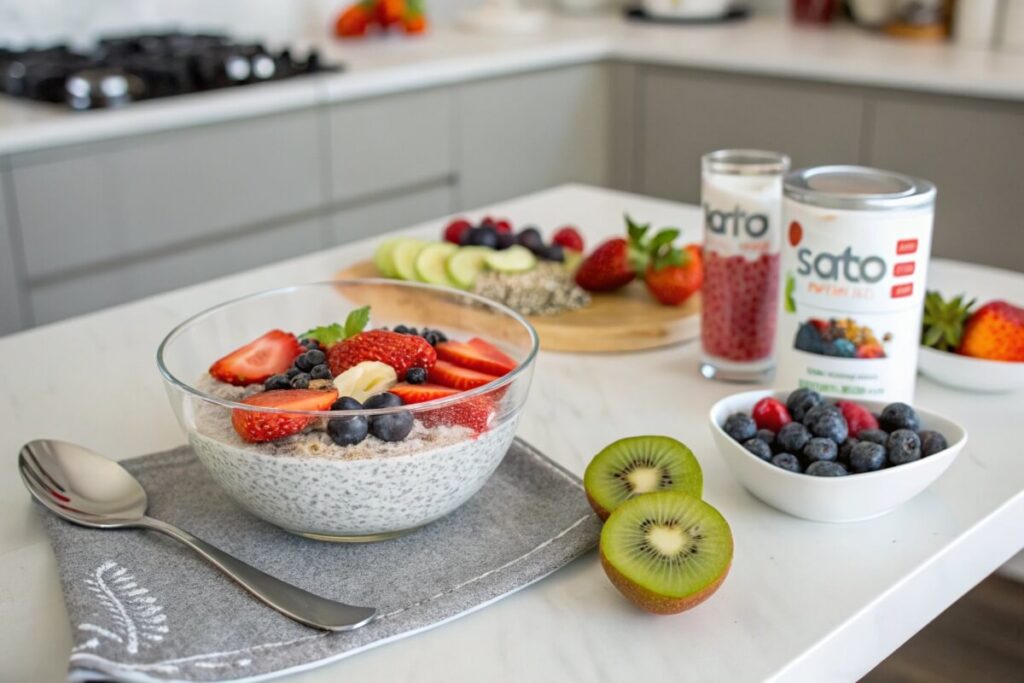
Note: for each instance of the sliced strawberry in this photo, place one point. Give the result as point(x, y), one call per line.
point(258, 426)
point(474, 413)
point(450, 375)
point(476, 355)
point(400, 351)
point(271, 354)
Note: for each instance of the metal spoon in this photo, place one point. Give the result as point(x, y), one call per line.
point(88, 489)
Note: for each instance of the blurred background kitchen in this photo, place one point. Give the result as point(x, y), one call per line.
point(118, 181)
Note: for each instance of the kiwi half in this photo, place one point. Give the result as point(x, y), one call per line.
point(640, 464)
point(667, 551)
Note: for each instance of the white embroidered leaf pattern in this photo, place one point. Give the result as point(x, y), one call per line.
point(134, 618)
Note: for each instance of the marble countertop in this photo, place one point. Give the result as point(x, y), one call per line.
point(803, 602)
point(763, 45)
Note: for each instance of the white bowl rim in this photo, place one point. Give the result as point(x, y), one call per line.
point(425, 406)
point(971, 360)
point(861, 476)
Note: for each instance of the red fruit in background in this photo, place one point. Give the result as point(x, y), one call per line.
point(858, 418)
point(476, 355)
point(450, 375)
point(256, 426)
point(611, 266)
point(677, 277)
point(503, 226)
point(400, 351)
point(771, 413)
point(994, 332)
point(453, 233)
point(414, 22)
point(271, 354)
point(569, 237)
point(353, 21)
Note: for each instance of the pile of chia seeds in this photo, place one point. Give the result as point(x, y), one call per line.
point(546, 290)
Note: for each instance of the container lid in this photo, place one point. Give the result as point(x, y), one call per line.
point(858, 188)
point(745, 162)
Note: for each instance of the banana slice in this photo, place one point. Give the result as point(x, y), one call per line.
point(366, 379)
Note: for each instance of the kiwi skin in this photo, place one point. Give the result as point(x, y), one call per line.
point(601, 512)
point(653, 602)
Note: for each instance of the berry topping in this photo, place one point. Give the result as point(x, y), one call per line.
point(878, 436)
point(820, 449)
point(474, 413)
point(391, 426)
point(858, 418)
point(281, 381)
point(770, 413)
point(898, 416)
point(825, 468)
point(867, 456)
point(476, 354)
point(758, 448)
point(258, 360)
point(787, 461)
point(300, 381)
point(792, 438)
point(310, 359)
point(450, 375)
point(321, 372)
point(400, 351)
point(258, 426)
point(831, 425)
point(568, 237)
point(766, 435)
point(740, 427)
point(802, 400)
point(931, 442)
point(455, 230)
point(348, 430)
point(416, 376)
point(904, 446)
point(385, 400)
point(421, 393)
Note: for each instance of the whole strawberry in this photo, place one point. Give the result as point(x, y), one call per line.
point(616, 262)
point(994, 332)
point(400, 351)
point(674, 275)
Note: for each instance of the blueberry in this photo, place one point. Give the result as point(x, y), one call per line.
point(758, 448)
point(385, 400)
point(808, 339)
point(553, 252)
point(824, 468)
point(766, 435)
point(432, 337)
point(310, 343)
point(483, 236)
point(346, 403)
point(792, 437)
point(321, 372)
point(291, 372)
point(506, 240)
point(401, 329)
point(787, 461)
point(879, 436)
point(898, 416)
point(441, 336)
point(740, 427)
point(350, 430)
point(310, 359)
point(904, 446)
point(845, 448)
point(831, 426)
point(800, 401)
point(300, 381)
point(867, 456)
point(415, 375)
point(392, 426)
point(931, 442)
point(281, 381)
point(466, 236)
point(812, 415)
point(531, 239)
point(820, 449)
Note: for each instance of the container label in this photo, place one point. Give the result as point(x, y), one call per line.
point(852, 291)
point(741, 214)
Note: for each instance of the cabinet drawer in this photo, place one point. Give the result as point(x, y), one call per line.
point(390, 142)
point(400, 212)
point(117, 285)
point(105, 201)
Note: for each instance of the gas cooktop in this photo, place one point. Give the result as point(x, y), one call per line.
point(124, 69)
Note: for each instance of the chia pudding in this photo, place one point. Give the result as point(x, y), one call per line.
point(307, 484)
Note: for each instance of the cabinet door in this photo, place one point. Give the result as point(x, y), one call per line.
point(144, 277)
point(974, 153)
point(383, 216)
point(12, 315)
point(524, 133)
point(391, 142)
point(685, 114)
point(99, 203)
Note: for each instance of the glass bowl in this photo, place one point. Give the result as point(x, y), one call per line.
point(374, 490)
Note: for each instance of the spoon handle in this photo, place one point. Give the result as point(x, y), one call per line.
point(287, 599)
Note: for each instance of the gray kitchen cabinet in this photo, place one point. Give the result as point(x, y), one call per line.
point(71, 296)
point(684, 114)
point(974, 153)
point(385, 143)
point(399, 211)
point(99, 203)
point(527, 132)
point(13, 314)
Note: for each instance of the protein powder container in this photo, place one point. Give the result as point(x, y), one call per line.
point(853, 265)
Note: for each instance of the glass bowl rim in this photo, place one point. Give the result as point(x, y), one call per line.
point(425, 406)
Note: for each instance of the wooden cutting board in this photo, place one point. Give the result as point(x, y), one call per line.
point(626, 320)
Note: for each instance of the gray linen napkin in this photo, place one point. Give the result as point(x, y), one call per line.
point(143, 608)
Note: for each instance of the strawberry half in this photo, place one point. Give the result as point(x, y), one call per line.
point(258, 426)
point(476, 354)
point(421, 393)
point(400, 351)
point(474, 413)
point(271, 354)
point(450, 375)
point(858, 418)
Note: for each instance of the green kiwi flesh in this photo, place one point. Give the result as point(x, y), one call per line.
point(666, 551)
point(640, 464)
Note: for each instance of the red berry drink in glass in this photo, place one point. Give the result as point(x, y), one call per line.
point(741, 197)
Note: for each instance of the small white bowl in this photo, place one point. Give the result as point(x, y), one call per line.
point(970, 374)
point(852, 498)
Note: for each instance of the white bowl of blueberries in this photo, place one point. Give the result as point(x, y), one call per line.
point(832, 460)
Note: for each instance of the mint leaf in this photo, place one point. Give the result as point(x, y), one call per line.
point(327, 335)
point(664, 236)
point(356, 321)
